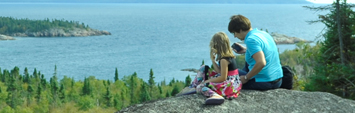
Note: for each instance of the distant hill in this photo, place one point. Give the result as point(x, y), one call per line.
point(169, 1)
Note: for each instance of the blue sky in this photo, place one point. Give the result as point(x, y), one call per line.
point(328, 1)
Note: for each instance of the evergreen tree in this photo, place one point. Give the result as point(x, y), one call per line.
point(151, 79)
point(175, 90)
point(27, 76)
point(29, 94)
point(43, 81)
point(54, 85)
point(160, 89)
point(334, 67)
point(167, 94)
point(72, 82)
point(116, 102)
point(187, 81)
point(12, 89)
point(1, 75)
point(39, 92)
point(35, 74)
point(108, 97)
point(108, 83)
point(116, 75)
point(145, 96)
point(133, 86)
point(203, 62)
point(86, 88)
point(62, 95)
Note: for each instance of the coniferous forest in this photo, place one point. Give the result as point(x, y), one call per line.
point(10, 25)
point(29, 92)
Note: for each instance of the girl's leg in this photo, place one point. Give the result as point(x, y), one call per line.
point(200, 76)
point(214, 98)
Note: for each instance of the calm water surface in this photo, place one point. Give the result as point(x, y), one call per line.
point(164, 37)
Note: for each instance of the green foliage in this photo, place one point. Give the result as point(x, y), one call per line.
point(175, 90)
point(145, 96)
point(151, 79)
point(86, 102)
point(187, 80)
point(116, 75)
point(38, 95)
point(10, 25)
point(331, 74)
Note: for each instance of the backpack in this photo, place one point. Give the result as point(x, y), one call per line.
point(287, 79)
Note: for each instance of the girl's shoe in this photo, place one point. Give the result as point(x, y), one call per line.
point(214, 100)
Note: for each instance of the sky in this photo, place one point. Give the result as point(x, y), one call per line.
point(329, 1)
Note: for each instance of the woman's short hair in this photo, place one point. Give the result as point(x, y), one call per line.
point(239, 22)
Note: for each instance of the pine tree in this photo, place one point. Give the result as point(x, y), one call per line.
point(27, 76)
point(86, 88)
point(116, 102)
point(151, 79)
point(13, 91)
point(187, 81)
point(29, 94)
point(1, 75)
point(167, 94)
point(62, 95)
point(116, 75)
point(334, 67)
point(145, 96)
point(175, 90)
point(108, 83)
point(39, 92)
point(72, 82)
point(54, 85)
point(35, 74)
point(108, 97)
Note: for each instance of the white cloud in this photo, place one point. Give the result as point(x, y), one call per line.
point(328, 1)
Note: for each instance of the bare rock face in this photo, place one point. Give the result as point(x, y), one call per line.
point(4, 37)
point(251, 101)
point(283, 39)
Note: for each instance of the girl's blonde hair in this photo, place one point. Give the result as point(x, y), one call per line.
point(220, 45)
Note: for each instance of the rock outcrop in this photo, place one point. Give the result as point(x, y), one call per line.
point(283, 39)
point(57, 32)
point(250, 101)
point(4, 37)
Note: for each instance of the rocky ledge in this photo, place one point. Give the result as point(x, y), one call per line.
point(4, 37)
point(57, 32)
point(283, 39)
point(250, 101)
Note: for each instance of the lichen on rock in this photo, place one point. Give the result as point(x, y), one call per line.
point(250, 101)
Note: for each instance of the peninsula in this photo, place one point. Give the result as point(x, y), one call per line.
point(46, 28)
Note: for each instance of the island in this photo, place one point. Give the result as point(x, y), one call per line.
point(14, 27)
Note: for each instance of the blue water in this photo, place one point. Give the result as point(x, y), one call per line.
point(164, 37)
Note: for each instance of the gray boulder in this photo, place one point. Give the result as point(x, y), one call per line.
point(250, 101)
point(4, 37)
point(283, 39)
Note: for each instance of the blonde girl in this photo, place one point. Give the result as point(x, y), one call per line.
point(223, 80)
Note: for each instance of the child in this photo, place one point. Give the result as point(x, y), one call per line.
point(223, 80)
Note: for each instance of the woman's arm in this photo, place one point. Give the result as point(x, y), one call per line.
point(260, 63)
point(224, 72)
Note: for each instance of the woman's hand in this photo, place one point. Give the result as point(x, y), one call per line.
point(242, 50)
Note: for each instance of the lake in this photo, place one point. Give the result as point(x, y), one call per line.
point(162, 37)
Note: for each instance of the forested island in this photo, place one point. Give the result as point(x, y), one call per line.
point(46, 28)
